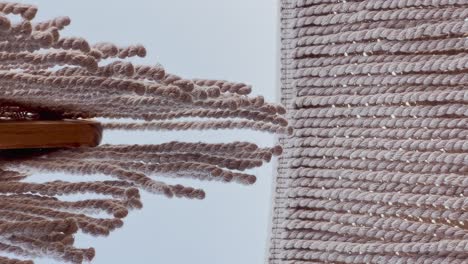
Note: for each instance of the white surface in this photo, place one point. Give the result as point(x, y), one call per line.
point(222, 39)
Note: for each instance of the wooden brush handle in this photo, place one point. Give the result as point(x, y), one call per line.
point(49, 134)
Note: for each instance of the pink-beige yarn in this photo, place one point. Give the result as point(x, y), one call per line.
point(377, 168)
point(45, 76)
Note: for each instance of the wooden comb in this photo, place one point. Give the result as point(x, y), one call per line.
point(49, 134)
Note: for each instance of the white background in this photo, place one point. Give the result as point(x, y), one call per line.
point(221, 39)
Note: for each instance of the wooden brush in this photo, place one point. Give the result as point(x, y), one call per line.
point(49, 134)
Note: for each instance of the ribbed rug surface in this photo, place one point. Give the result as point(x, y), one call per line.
point(377, 168)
